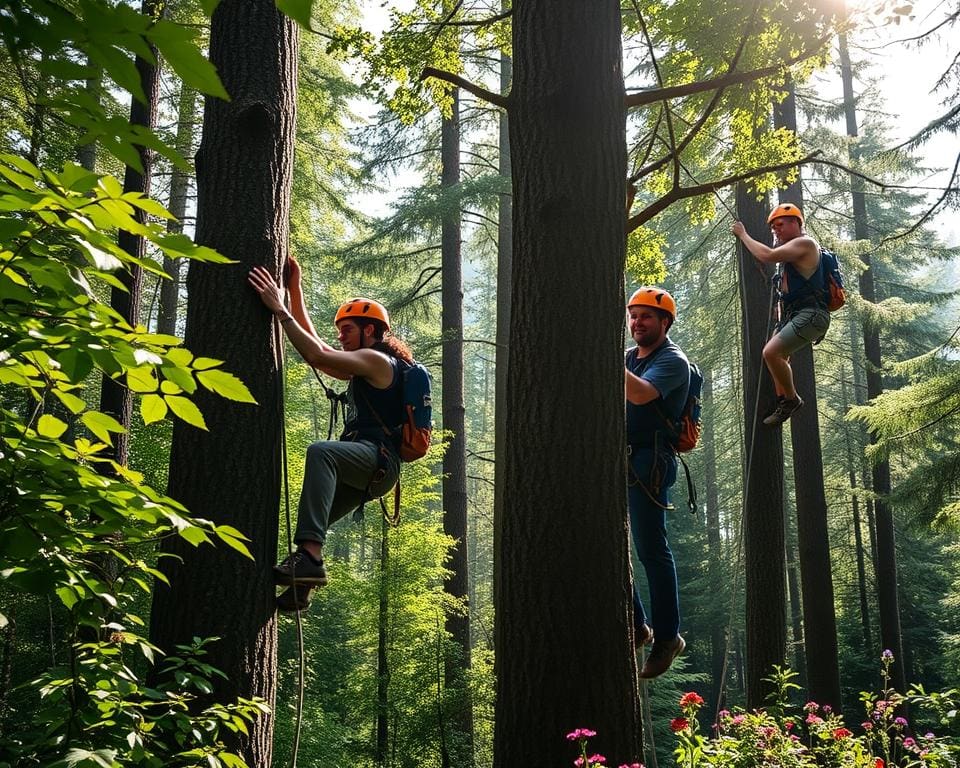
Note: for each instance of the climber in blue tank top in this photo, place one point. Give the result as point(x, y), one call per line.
point(339, 475)
point(804, 317)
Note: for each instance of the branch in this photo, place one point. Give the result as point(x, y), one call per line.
point(482, 22)
point(496, 99)
point(682, 193)
point(930, 211)
point(731, 78)
point(708, 110)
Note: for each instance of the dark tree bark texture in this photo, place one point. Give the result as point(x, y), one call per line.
point(231, 473)
point(763, 530)
point(564, 656)
point(813, 538)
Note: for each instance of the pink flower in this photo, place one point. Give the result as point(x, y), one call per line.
point(866, 725)
point(788, 725)
point(581, 733)
point(900, 722)
point(811, 706)
point(631, 765)
point(841, 733)
point(690, 699)
point(812, 719)
point(908, 742)
point(679, 724)
point(597, 759)
point(738, 719)
point(578, 762)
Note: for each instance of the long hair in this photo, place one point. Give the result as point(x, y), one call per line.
point(388, 344)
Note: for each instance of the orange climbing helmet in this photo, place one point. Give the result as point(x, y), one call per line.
point(648, 296)
point(359, 309)
point(785, 209)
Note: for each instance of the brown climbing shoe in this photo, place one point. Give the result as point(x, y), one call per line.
point(642, 635)
point(661, 657)
point(300, 568)
point(294, 598)
point(784, 410)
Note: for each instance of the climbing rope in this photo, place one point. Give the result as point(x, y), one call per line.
point(746, 493)
point(301, 664)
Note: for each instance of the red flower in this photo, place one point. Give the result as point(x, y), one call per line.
point(679, 724)
point(878, 763)
point(690, 699)
point(841, 733)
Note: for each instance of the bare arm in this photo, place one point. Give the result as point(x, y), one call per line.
point(793, 251)
point(639, 391)
point(370, 364)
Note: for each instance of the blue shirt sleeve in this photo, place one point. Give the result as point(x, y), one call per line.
point(669, 373)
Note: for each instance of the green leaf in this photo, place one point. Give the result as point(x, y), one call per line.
point(142, 379)
point(180, 377)
point(50, 426)
point(176, 45)
point(234, 539)
point(152, 409)
point(226, 385)
point(186, 410)
point(76, 363)
point(202, 363)
point(298, 10)
point(101, 425)
point(73, 403)
point(194, 535)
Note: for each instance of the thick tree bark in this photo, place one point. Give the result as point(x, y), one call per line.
point(795, 603)
point(504, 278)
point(455, 458)
point(231, 473)
point(763, 532)
point(179, 191)
point(719, 626)
point(888, 599)
point(563, 600)
point(115, 398)
point(813, 538)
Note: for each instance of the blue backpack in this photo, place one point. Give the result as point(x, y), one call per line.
point(832, 279)
point(416, 429)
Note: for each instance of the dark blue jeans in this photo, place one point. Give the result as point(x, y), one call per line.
point(656, 471)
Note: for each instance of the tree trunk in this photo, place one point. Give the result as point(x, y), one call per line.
point(87, 153)
point(719, 626)
point(763, 532)
point(179, 191)
point(115, 398)
point(887, 598)
point(857, 528)
point(231, 473)
point(504, 277)
point(813, 539)
point(457, 662)
point(796, 604)
point(563, 599)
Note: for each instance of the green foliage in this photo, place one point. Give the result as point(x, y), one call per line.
point(103, 35)
point(70, 509)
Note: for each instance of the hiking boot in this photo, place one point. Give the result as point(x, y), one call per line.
point(661, 657)
point(642, 635)
point(784, 410)
point(294, 598)
point(300, 568)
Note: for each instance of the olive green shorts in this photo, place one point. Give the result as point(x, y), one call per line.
point(807, 326)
